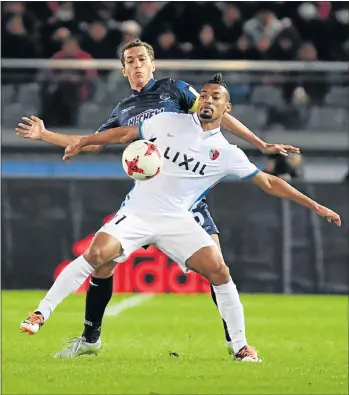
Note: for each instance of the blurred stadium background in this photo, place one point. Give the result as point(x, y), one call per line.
point(286, 66)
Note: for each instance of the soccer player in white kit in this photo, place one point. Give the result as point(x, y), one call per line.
point(138, 65)
point(196, 157)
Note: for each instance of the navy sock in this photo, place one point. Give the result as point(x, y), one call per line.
point(98, 296)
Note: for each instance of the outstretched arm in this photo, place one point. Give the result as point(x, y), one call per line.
point(35, 129)
point(280, 188)
point(120, 135)
point(234, 126)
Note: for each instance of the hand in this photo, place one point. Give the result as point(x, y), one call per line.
point(33, 130)
point(285, 177)
point(72, 150)
point(281, 149)
point(329, 214)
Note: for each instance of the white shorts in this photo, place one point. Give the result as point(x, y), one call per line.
point(178, 236)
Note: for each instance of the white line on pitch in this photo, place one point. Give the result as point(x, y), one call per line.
point(126, 304)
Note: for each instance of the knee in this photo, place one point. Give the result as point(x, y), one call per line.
point(94, 257)
point(219, 274)
point(104, 271)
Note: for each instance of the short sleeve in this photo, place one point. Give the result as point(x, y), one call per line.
point(113, 121)
point(239, 164)
point(152, 127)
point(188, 96)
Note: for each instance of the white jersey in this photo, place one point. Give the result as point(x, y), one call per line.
point(194, 161)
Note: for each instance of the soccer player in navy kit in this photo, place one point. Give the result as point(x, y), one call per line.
point(149, 97)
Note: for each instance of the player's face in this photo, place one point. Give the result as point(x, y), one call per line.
point(213, 103)
point(139, 67)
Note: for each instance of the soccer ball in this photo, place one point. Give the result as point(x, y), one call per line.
point(142, 160)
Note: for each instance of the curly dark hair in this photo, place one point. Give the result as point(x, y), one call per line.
point(218, 79)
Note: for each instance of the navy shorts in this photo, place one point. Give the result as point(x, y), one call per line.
point(203, 217)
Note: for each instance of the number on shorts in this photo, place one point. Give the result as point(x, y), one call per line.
point(120, 219)
point(115, 217)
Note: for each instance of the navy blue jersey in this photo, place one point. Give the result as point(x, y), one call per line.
point(157, 96)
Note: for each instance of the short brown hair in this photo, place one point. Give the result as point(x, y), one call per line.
point(133, 44)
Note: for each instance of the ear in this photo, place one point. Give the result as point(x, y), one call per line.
point(153, 66)
point(124, 72)
point(228, 107)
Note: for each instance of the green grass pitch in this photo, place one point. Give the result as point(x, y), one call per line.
point(303, 341)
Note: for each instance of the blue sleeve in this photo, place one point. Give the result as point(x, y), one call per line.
point(188, 96)
point(140, 134)
point(113, 121)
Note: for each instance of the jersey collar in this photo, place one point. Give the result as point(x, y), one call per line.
point(208, 133)
point(146, 87)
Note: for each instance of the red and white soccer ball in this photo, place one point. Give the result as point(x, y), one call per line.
point(142, 160)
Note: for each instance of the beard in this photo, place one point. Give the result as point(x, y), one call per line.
point(206, 116)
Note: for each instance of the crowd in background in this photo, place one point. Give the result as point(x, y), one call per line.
point(282, 30)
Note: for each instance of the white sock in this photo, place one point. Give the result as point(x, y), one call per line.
point(70, 279)
point(232, 312)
